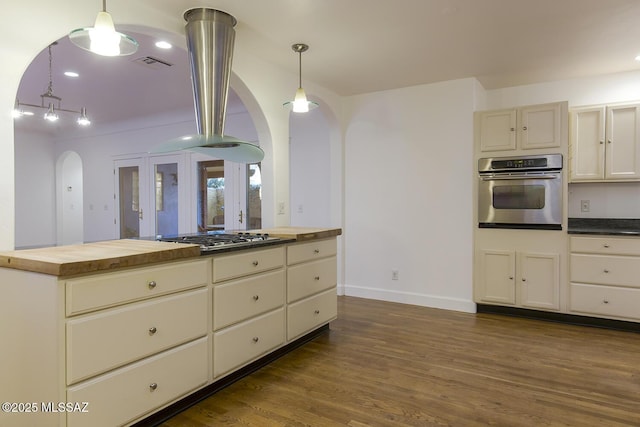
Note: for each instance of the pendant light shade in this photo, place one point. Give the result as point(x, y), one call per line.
point(300, 103)
point(102, 38)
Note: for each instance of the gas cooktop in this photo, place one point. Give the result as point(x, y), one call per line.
point(217, 240)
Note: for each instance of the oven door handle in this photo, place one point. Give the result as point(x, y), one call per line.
point(518, 177)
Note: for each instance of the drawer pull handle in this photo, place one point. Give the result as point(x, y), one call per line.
point(316, 278)
point(317, 312)
point(153, 386)
point(316, 251)
point(606, 245)
point(152, 330)
point(255, 263)
point(256, 297)
point(256, 339)
point(606, 271)
point(152, 284)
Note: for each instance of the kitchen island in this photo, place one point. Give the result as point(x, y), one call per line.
point(111, 333)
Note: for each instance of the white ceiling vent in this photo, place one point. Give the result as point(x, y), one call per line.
point(151, 62)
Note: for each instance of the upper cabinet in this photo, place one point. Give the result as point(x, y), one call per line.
point(605, 143)
point(524, 128)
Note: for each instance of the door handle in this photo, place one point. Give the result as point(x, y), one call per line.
point(140, 215)
point(240, 217)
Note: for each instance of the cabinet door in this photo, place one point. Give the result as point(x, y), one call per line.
point(497, 130)
point(496, 282)
point(539, 277)
point(587, 144)
point(623, 142)
point(540, 126)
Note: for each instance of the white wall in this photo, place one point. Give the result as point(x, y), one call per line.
point(310, 171)
point(35, 215)
point(408, 193)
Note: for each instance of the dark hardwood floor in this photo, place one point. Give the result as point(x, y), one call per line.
point(387, 364)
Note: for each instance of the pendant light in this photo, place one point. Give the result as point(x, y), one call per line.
point(102, 38)
point(50, 102)
point(300, 103)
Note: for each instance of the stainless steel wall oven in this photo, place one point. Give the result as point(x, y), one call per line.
point(520, 192)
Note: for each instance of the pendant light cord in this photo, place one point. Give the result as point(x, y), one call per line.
point(50, 88)
point(300, 70)
point(104, 5)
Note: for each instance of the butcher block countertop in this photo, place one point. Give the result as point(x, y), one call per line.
point(94, 257)
point(301, 233)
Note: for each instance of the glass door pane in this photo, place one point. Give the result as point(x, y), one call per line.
point(129, 196)
point(166, 193)
point(211, 202)
point(254, 196)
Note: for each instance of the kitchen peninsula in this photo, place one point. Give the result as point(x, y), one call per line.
point(110, 333)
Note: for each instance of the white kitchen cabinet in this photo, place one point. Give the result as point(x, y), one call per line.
point(605, 143)
point(248, 307)
point(525, 128)
point(123, 355)
point(521, 279)
point(604, 274)
point(311, 286)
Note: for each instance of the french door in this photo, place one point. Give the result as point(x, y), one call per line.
point(150, 196)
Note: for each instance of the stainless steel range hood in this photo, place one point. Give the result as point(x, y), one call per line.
point(210, 39)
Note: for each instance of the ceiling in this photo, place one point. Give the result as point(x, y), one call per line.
point(357, 46)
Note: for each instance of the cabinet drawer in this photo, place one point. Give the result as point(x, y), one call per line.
point(310, 278)
point(606, 245)
point(109, 289)
point(606, 270)
point(126, 394)
point(610, 301)
point(301, 252)
point(307, 314)
point(241, 299)
point(99, 342)
point(246, 263)
point(240, 344)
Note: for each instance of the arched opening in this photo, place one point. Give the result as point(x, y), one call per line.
point(134, 104)
point(69, 199)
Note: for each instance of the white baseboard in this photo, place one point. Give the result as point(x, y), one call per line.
point(455, 304)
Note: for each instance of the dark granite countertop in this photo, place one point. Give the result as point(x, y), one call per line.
point(604, 226)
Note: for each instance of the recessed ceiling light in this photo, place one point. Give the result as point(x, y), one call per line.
point(71, 74)
point(163, 45)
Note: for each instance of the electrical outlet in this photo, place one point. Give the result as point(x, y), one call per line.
point(585, 205)
point(394, 274)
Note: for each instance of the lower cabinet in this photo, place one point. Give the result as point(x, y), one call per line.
point(522, 279)
point(125, 394)
point(605, 277)
point(132, 341)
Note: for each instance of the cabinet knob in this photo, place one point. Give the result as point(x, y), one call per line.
point(510, 277)
point(256, 339)
point(152, 284)
point(606, 245)
point(316, 251)
point(524, 280)
point(606, 271)
point(606, 301)
point(256, 297)
point(316, 278)
point(255, 263)
point(601, 142)
point(524, 128)
point(153, 386)
point(317, 312)
point(608, 141)
point(152, 330)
